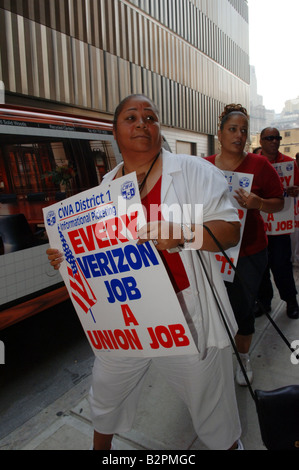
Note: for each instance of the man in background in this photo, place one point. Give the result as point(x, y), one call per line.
point(279, 246)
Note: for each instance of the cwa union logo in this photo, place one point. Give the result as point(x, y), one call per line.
point(128, 190)
point(51, 218)
point(244, 182)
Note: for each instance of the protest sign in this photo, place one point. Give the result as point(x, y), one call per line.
point(235, 181)
point(119, 288)
point(282, 222)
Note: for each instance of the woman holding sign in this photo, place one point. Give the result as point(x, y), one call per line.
point(279, 244)
point(267, 195)
point(204, 380)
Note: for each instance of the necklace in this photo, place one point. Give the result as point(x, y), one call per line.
point(142, 184)
point(231, 167)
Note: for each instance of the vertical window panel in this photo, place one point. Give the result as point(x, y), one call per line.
point(90, 20)
point(81, 73)
point(136, 79)
point(44, 12)
point(85, 65)
point(22, 54)
point(163, 55)
point(136, 36)
point(77, 71)
point(157, 68)
point(112, 92)
point(129, 35)
point(63, 16)
point(67, 67)
point(104, 23)
point(111, 27)
point(123, 26)
point(141, 40)
point(124, 74)
point(174, 14)
point(51, 65)
point(57, 58)
point(146, 44)
point(11, 71)
point(98, 84)
point(147, 85)
point(174, 101)
point(95, 19)
point(156, 80)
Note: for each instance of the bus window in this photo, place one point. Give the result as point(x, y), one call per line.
point(44, 157)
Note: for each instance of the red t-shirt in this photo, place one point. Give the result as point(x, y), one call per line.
point(266, 184)
point(172, 261)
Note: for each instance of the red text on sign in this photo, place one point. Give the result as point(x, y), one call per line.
point(168, 336)
point(103, 234)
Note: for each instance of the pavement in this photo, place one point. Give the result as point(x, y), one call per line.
point(162, 421)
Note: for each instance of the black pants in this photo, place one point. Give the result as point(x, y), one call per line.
point(280, 264)
point(243, 291)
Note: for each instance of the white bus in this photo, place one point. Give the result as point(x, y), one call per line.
point(44, 156)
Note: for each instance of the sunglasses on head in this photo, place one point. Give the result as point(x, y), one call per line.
point(270, 138)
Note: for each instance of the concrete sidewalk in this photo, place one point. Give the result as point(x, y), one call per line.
point(163, 422)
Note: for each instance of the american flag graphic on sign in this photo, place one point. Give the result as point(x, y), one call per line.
point(80, 289)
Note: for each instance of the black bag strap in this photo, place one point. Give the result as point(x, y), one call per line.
point(228, 330)
point(223, 317)
point(244, 283)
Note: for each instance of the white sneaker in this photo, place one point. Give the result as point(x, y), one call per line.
point(240, 445)
point(113, 446)
point(247, 366)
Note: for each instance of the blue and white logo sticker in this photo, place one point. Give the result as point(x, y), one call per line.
point(289, 167)
point(51, 218)
point(244, 182)
point(128, 190)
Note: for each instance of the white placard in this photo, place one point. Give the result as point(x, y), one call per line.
point(282, 223)
point(235, 181)
point(119, 288)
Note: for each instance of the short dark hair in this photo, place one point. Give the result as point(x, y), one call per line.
point(266, 128)
point(121, 105)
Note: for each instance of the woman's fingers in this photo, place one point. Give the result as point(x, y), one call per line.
point(55, 257)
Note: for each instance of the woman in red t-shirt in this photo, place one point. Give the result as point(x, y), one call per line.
point(267, 195)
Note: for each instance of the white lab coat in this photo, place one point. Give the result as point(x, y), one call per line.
point(193, 180)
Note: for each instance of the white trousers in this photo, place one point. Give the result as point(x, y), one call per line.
point(206, 386)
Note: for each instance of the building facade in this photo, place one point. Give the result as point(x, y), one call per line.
point(190, 56)
point(290, 142)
